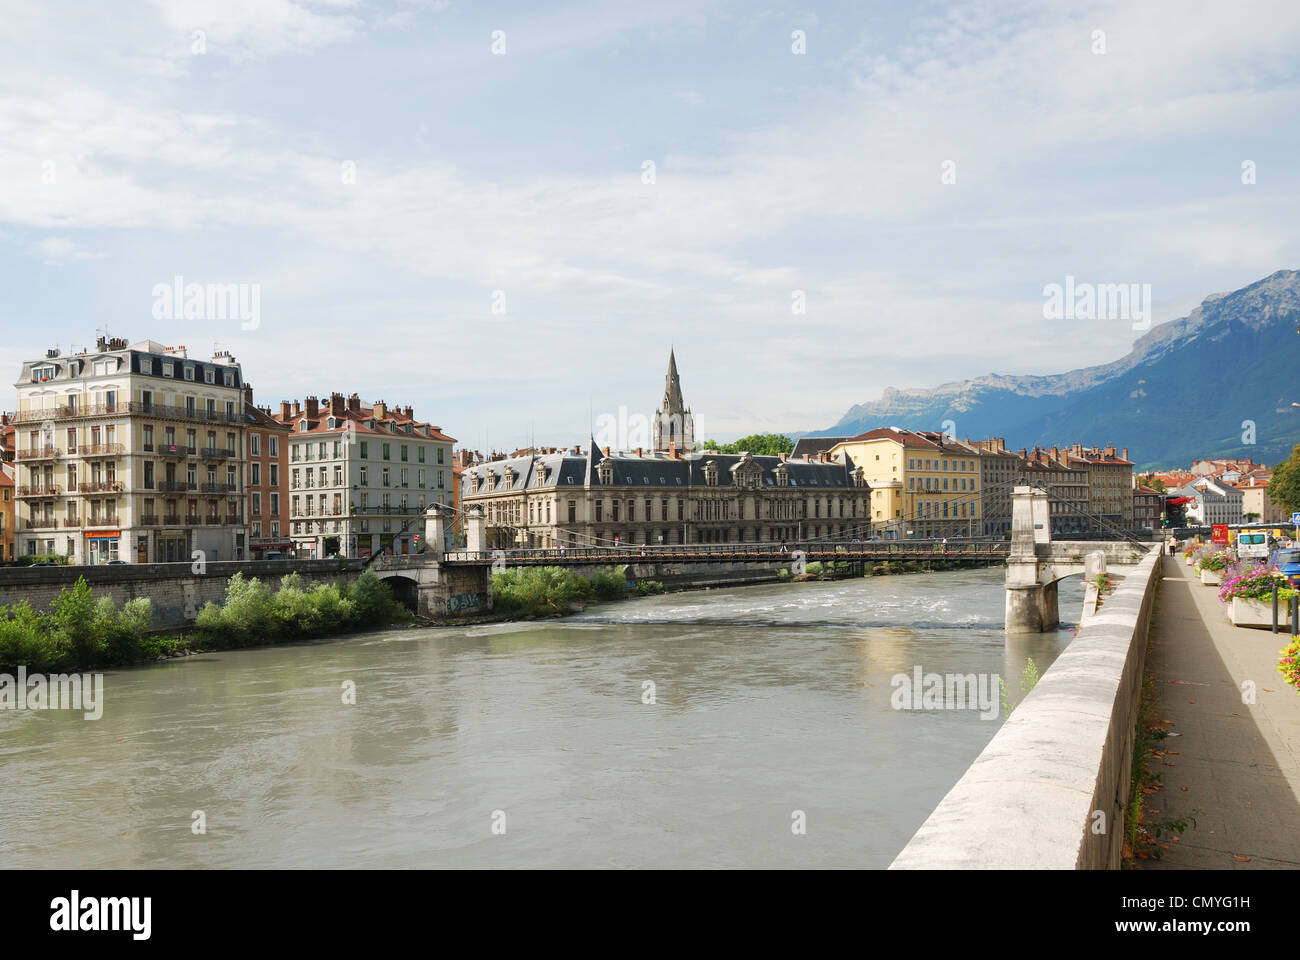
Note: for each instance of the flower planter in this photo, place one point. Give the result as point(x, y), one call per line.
point(1259, 613)
point(1212, 578)
point(1188, 560)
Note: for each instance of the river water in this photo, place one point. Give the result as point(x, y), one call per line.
point(766, 700)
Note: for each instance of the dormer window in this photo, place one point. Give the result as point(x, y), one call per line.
point(782, 475)
point(605, 469)
point(711, 473)
point(510, 478)
point(44, 373)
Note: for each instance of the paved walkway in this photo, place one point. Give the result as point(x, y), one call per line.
point(1239, 763)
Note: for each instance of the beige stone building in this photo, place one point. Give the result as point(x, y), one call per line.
point(361, 477)
point(602, 498)
point(131, 453)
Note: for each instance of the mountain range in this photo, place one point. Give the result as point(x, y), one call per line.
point(1189, 388)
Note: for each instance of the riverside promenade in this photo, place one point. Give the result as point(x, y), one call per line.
point(1239, 763)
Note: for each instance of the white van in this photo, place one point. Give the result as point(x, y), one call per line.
point(1252, 545)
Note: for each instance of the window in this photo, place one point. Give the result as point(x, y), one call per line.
point(255, 445)
point(257, 504)
point(189, 372)
point(420, 454)
point(440, 452)
point(229, 378)
point(257, 475)
point(168, 369)
point(275, 503)
point(365, 455)
point(209, 376)
point(274, 444)
point(146, 364)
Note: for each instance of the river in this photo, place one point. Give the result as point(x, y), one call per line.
point(766, 700)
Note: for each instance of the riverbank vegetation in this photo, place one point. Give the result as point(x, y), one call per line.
point(253, 614)
point(554, 591)
point(82, 631)
point(79, 631)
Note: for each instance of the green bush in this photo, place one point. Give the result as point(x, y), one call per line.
point(814, 568)
point(538, 591)
point(78, 632)
point(645, 588)
point(609, 584)
point(253, 614)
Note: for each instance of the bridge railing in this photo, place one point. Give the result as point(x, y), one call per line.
point(827, 549)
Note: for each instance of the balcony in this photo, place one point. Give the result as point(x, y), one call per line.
point(176, 486)
point(70, 412)
point(149, 520)
point(102, 486)
point(49, 523)
point(49, 490)
point(217, 488)
point(71, 522)
point(40, 453)
point(101, 522)
point(233, 520)
point(172, 520)
point(175, 450)
point(166, 412)
point(212, 521)
point(101, 450)
point(216, 453)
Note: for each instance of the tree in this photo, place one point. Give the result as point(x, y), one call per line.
point(1158, 485)
point(759, 444)
point(1284, 488)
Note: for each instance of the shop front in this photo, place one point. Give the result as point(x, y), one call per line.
point(102, 546)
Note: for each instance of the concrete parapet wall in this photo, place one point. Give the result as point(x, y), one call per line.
point(177, 592)
point(1030, 798)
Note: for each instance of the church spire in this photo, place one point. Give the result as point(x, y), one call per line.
point(674, 427)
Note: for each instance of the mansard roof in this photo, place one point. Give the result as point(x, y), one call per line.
point(649, 471)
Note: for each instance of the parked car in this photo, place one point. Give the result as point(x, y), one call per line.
point(273, 555)
point(1288, 562)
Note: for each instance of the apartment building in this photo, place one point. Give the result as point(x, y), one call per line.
point(131, 453)
point(1066, 483)
point(603, 498)
point(1000, 471)
point(1148, 506)
point(924, 484)
point(1255, 500)
point(1212, 502)
point(7, 471)
point(361, 477)
point(1110, 484)
point(268, 481)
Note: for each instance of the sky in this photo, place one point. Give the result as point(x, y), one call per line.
point(504, 214)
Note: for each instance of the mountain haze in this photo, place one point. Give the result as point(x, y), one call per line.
point(1182, 392)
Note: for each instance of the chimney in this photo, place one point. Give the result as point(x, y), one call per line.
point(409, 412)
point(297, 408)
point(284, 410)
point(1125, 453)
point(380, 410)
point(336, 403)
point(783, 457)
point(638, 451)
point(606, 451)
point(354, 403)
point(672, 450)
point(313, 408)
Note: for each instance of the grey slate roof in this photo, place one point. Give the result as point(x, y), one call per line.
point(574, 471)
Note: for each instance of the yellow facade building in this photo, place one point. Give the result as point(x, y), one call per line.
point(923, 484)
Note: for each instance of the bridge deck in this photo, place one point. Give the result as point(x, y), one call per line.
point(970, 550)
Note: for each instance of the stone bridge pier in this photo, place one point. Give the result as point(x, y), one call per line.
point(1036, 563)
point(432, 587)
